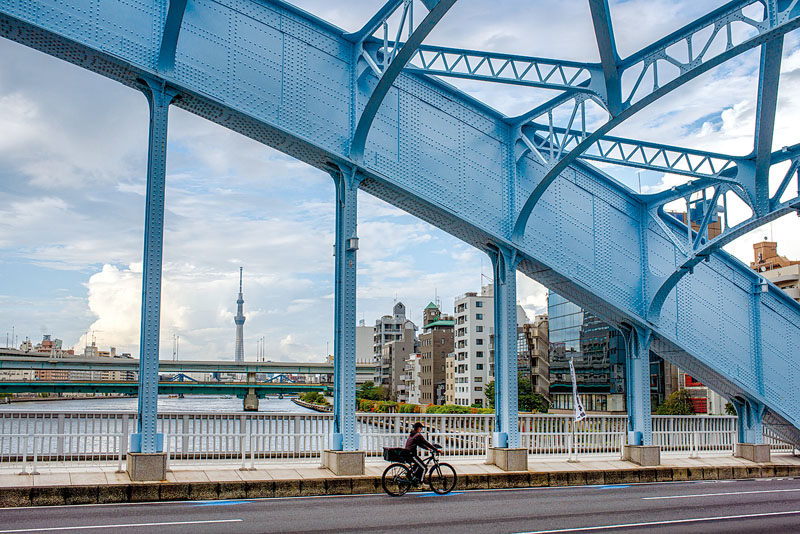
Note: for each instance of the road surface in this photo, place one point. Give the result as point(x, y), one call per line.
point(766, 505)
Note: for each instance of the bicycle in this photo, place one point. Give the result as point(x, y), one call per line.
point(398, 478)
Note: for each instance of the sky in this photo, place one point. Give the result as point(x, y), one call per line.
point(72, 183)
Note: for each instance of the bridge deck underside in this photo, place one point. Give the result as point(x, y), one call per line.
point(284, 78)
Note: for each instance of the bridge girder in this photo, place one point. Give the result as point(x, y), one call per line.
point(458, 170)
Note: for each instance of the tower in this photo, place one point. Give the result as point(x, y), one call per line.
point(239, 320)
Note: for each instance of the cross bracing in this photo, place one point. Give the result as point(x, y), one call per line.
point(520, 188)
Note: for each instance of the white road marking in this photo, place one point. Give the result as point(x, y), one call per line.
point(125, 525)
point(715, 494)
point(657, 523)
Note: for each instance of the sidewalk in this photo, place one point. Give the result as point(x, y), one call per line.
point(92, 485)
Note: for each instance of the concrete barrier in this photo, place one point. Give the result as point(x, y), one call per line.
point(260, 489)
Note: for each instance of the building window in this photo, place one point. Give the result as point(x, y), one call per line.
point(479, 304)
point(478, 316)
point(479, 341)
point(478, 388)
point(478, 379)
point(479, 366)
point(479, 354)
point(479, 328)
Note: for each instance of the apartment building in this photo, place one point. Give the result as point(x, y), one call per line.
point(449, 380)
point(533, 358)
point(435, 343)
point(474, 365)
point(387, 329)
point(411, 379)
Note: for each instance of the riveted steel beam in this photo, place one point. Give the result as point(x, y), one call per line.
point(780, 18)
point(604, 34)
point(394, 62)
point(507, 68)
point(147, 439)
point(344, 344)
point(638, 154)
point(169, 39)
point(696, 243)
point(504, 263)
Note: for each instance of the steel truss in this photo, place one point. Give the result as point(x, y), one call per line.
point(553, 136)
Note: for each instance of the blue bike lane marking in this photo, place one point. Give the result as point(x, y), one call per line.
point(433, 494)
point(220, 503)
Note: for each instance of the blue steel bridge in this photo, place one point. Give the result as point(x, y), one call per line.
point(371, 109)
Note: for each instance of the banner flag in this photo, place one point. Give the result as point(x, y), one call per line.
point(580, 413)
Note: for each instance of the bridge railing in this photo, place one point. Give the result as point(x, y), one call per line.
point(29, 440)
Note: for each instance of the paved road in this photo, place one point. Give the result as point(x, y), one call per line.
point(769, 505)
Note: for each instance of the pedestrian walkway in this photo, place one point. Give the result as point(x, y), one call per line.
point(91, 484)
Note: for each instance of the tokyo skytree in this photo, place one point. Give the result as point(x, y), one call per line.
point(239, 320)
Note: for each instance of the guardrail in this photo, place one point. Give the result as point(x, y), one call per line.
point(32, 439)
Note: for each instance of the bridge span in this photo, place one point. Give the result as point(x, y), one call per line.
point(372, 112)
point(17, 360)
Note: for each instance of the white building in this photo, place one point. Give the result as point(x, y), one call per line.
point(474, 324)
point(411, 378)
point(365, 337)
point(387, 329)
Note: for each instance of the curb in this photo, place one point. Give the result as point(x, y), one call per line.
point(261, 489)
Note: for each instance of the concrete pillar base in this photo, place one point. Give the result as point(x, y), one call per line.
point(344, 463)
point(508, 459)
point(142, 466)
point(644, 455)
point(752, 452)
point(251, 401)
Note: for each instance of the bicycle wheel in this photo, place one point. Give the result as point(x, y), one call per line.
point(396, 480)
point(442, 478)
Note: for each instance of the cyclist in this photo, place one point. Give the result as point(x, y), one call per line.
point(416, 439)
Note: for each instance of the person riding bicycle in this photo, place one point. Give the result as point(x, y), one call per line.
point(416, 439)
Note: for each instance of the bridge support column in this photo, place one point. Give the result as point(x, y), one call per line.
point(250, 401)
point(506, 452)
point(148, 459)
point(750, 444)
point(343, 458)
point(640, 447)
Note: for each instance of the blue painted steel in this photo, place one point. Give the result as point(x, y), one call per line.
point(750, 414)
point(296, 83)
point(609, 59)
point(640, 428)
point(159, 97)
point(392, 71)
point(344, 343)
point(504, 262)
point(169, 38)
point(780, 18)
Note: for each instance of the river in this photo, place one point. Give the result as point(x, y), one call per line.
point(166, 404)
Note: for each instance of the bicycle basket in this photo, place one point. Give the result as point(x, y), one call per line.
point(394, 454)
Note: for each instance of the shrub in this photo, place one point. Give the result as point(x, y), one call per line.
point(677, 403)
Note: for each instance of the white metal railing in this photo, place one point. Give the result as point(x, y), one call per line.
point(32, 439)
point(552, 434)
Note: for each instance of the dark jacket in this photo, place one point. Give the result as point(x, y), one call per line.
point(416, 439)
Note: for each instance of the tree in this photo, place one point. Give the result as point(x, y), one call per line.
point(370, 391)
point(527, 400)
point(729, 408)
point(677, 403)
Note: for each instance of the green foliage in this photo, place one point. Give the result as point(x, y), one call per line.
point(314, 397)
point(677, 403)
point(370, 391)
point(405, 407)
point(729, 409)
point(527, 400)
point(447, 408)
point(366, 405)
